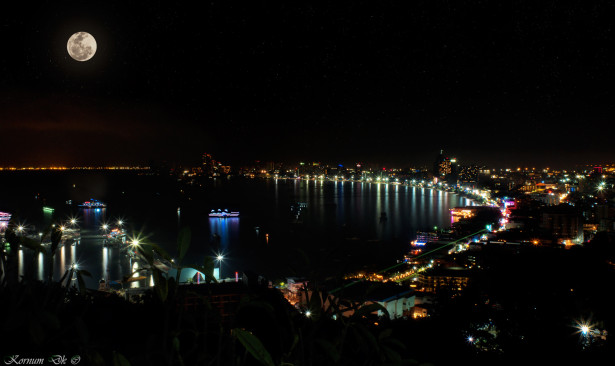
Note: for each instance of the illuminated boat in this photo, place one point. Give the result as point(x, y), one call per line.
point(92, 203)
point(116, 237)
point(4, 220)
point(223, 214)
point(423, 238)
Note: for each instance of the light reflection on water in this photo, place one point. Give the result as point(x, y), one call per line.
point(41, 266)
point(60, 270)
point(135, 267)
point(225, 228)
point(20, 264)
point(105, 263)
point(353, 208)
point(73, 254)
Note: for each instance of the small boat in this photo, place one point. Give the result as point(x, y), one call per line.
point(115, 238)
point(5, 218)
point(92, 203)
point(223, 214)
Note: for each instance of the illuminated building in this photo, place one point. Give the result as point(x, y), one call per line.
point(564, 223)
point(208, 164)
point(453, 176)
point(455, 279)
point(446, 168)
point(419, 312)
point(442, 166)
point(549, 199)
point(468, 174)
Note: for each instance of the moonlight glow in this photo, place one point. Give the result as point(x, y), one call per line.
point(81, 46)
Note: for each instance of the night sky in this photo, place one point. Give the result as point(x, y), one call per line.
point(498, 83)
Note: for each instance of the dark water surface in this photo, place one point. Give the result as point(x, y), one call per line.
point(341, 229)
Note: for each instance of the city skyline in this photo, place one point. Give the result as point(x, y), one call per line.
point(494, 84)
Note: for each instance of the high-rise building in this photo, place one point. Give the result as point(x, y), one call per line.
point(446, 168)
point(211, 167)
point(442, 166)
point(208, 164)
point(453, 176)
point(563, 222)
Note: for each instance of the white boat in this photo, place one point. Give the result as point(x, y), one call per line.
point(92, 203)
point(223, 214)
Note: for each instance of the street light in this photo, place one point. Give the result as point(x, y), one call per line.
point(120, 222)
point(219, 258)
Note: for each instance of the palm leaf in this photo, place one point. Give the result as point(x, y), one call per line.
point(183, 243)
point(368, 309)
point(329, 349)
point(68, 273)
point(81, 282)
point(35, 245)
point(253, 345)
point(160, 284)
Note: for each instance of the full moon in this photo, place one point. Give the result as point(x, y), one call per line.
point(81, 46)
